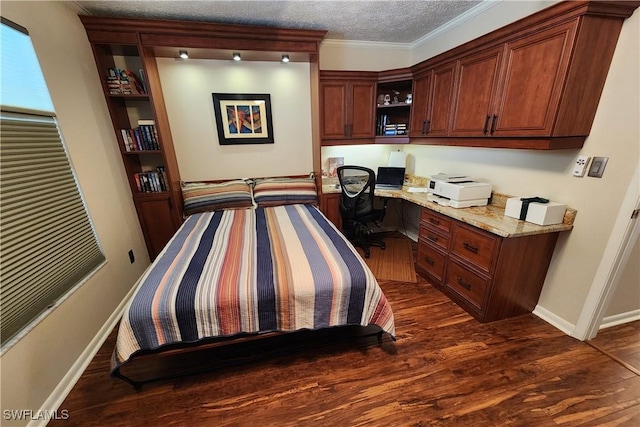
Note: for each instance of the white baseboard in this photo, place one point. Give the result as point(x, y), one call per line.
point(619, 319)
point(67, 383)
point(554, 320)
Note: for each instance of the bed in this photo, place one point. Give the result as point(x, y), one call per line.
point(258, 259)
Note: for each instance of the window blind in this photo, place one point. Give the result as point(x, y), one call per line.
point(47, 243)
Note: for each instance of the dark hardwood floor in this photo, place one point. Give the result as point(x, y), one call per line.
point(444, 369)
point(622, 343)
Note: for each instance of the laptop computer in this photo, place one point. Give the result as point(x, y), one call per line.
point(390, 178)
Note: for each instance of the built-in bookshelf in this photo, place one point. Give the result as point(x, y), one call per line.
point(393, 108)
point(147, 151)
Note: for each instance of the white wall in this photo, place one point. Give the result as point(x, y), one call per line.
point(363, 56)
point(187, 87)
point(37, 365)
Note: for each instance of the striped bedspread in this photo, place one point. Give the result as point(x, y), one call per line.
point(282, 268)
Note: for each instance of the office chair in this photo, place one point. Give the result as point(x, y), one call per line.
point(357, 184)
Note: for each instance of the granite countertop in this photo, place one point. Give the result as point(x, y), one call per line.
point(490, 218)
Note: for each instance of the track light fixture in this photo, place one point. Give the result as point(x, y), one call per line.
point(236, 56)
point(285, 58)
point(184, 54)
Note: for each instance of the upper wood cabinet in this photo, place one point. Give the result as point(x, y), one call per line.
point(440, 109)
point(533, 84)
point(347, 107)
point(432, 102)
point(475, 93)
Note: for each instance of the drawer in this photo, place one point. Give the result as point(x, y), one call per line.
point(436, 220)
point(467, 284)
point(475, 246)
point(431, 260)
point(434, 237)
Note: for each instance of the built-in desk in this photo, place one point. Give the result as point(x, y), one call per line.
point(491, 265)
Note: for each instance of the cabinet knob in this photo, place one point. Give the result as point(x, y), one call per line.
point(428, 127)
point(432, 237)
point(486, 125)
point(429, 261)
point(470, 247)
point(493, 123)
point(434, 221)
point(464, 284)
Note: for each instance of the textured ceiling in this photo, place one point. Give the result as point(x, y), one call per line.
point(396, 21)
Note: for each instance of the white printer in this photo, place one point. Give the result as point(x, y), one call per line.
point(458, 191)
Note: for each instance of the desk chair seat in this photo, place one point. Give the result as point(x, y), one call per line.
point(356, 206)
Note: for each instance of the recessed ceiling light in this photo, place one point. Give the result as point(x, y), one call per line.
point(184, 54)
point(285, 58)
point(236, 56)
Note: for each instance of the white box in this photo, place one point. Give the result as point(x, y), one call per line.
point(538, 213)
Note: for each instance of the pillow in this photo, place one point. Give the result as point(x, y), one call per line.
point(284, 191)
point(204, 196)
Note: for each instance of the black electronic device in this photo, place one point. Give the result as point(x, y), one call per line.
point(390, 178)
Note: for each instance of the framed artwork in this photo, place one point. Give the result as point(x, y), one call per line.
point(243, 118)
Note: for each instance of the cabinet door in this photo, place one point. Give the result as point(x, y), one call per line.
point(532, 81)
point(333, 109)
point(474, 93)
point(361, 110)
point(157, 221)
point(420, 106)
point(442, 98)
point(331, 208)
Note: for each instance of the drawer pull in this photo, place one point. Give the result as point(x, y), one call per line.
point(432, 237)
point(464, 284)
point(429, 261)
point(470, 247)
point(434, 221)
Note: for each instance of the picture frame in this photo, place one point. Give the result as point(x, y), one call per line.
point(243, 118)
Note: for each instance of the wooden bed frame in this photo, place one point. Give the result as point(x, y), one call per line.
point(238, 350)
point(263, 341)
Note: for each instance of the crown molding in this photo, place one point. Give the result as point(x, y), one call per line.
point(459, 20)
point(76, 7)
point(357, 44)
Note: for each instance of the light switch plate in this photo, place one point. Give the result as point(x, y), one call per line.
point(580, 167)
point(597, 166)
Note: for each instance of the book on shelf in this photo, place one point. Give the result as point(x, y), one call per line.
point(383, 120)
point(124, 82)
point(143, 81)
point(151, 181)
point(142, 138)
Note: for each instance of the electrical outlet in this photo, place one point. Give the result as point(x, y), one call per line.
point(580, 167)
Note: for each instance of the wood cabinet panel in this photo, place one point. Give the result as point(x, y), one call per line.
point(440, 110)
point(474, 94)
point(434, 219)
point(330, 206)
point(157, 219)
point(533, 77)
point(420, 107)
point(435, 238)
point(362, 116)
point(431, 260)
point(475, 246)
point(333, 101)
point(469, 285)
